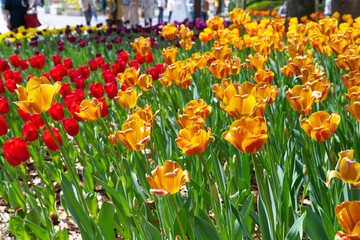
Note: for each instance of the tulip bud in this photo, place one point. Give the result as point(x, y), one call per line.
point(135, 204)
point(214, 192)
point(305, 170)
point(29, 131)
point(3, 126)
point(113, 139)
point(234, 159)
point(16, 151)
point(286, 132)
point(50, 141)
point(226, 167)
point(333, 159)
point(4, 105)
point(71, 126)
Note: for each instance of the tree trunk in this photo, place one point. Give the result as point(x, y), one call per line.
point(197, 9)
point(346, 7)
point(300, 8)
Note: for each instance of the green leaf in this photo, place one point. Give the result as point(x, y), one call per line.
point(296, 229)
point(106, 221)
point(92, 203)
point(312, 220)
point(39, 232)
point(206, 226)
point(62, 234)
point(17, 228)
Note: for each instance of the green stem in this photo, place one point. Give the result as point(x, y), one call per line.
point(328, 154)
point(178, 217)
point(208, 178)
point(352, 192)
point(259, 179)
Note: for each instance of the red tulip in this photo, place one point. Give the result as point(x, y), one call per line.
point(105, 110)
point(68, 63)
point(65, 89)
point(108, 77)
point(119, 66)
point(111, 89)
point(37, 61)
point(56, 59)
point(16, 151)
point(84, 71)
point(123, 56)
point(56, 111)
point(4, 65)
point(29, 131)
point(14, 60)
point(99, 61)
point(73, 74)
point(93, 65)
point(23, 65)
point(139, 59)
point(10, 84)
point(71, 126)
point(4, 105)
point(2, 88)
point(149, 58)
point(134, 64)
point(39, 122)
point(55, 74)
point(24, 115)
point(3, 126)
point(46, 75)
point(50, 141)
point(79, 82)
point(96, 90)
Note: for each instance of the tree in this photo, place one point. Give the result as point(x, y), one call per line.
point(300, 8)
point(346, 7)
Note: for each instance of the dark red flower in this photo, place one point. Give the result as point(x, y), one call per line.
point(50, 141)
point(93, 65)
point(10, 84)
point(68, 63)
point(23, 65)
point(39, 122)
point(15, 60)
point(105, 110)
point(96, 90)
point(71, 126)
point(24, 115)
point(79, 83)
point(16, 151)
point(139, 59)
point(134, 64)
point(56, 111)
point(4, 105)
point(2, 88)
point(3, 126)
point(65, 89)
point(149, 58)
point(111, 89)
point(29, 131)
point(56, 59)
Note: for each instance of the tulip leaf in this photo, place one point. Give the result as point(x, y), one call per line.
point(106, 220)
point(17, 228)
point(296, 230)
point(264, 219)
point(41, 233)
point(62, 234)
point(313, 219)
point(205, 225)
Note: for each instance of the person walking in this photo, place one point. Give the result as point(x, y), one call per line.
point(148, 10)
point(204, 10)
point(87, 6)
point(170, 8)
point(327, 10)
point(161, 6)
point(134, 12)
point(190, 7)
point(125, 9)
point(114, 11)
point(15, 11)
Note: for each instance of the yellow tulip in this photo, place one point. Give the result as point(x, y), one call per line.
point(321, 87)
point(257, 62)
point(197, 108)
point(219, 69)
point(299, 62)
point(142, 46)
point(144, 82)
point(193, 140)
point(206, 35)
point(354, 107)
point(348, 215)
point(235, 65)
point(38, 96)
point(353, 92)
point(215, 23)
point(146, 113)
point(178, 73)
point(90, 110)
point(239, 16)
point(135, 133)
point(200, 60)
point(247, 134)
point(287, 71)
point(129, 77)
point(167, 179)
point(222, 52)
point(169, 32)
point(128, 98)
point(320, 125)
point(169, 54)
point(351, 79)
point(265, 76)
point(220, 88)
point(301, 98)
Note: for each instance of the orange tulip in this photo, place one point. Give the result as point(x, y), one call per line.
point(186, 43)
point(257, 62)
point(321, 125)
point(299, 62)
point(193, 140)
point(265, 93)
point(200, 60)
point(197, 108)
point(353, 92)
point(219, 69)
point(222, 52)
point(129, 77)
point(178, 73)
point(265, 76)
point(146, 113)
point(310, 73)
point(220, 88)
point(349, 169)
point(185, 32)
point(351, 79)
point(128, 98)
point(348, 215)
point(354, 107)
point(142, 46)
point(215, 23)
point(339, 45)
point(113, 139)
point(167, 179)
point(206, 35)
point(135, 133)
point(322, 88)
point(247, 134)
point(343, 236)
point(287, 71)
point(301, 98)
point(169, 32)
point(239, 16)
point(235, 65)
point(144, 82)
point(169, 54)
point(90, 110)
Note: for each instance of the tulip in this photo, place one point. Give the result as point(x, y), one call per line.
point(235, 65)
point(23, 65)
point(309, 74)
point(239, 16)
point(146, 113)
point(139, 59)
point(111, 89)
point(169, 54)
point(348, 216)
point(38, 96)
point(215, 23)
point(219, 69)
point(185, 33)
point(287, 71)
point(135, 133)
point(351, 79)
point(220, 88)
point(187, 121)
point(56, 111)
point(169, 32)
point(299, 62)
point(265, 76)
point(167, 179)
point(90, 110)
point(349, 169)
point(29, 130)
point(129, 77)
point(105, 109)
point(321, 87)
point(15, 60)
point(71, 126)
point(93, 65)
point(4, 105)
point(320, 125)
point(10, 84)
point(113, 139)
point(247, 134)
point(56, 59)
point(68, 63)
point(186, 43)
point(128, 98)
point(3, 126)
point(257, 62)
point(354, 107)
point(206, 35)
point(301, 98)
point(179, 73)
point(353, 92)
point(193, 140)
point(96, 90)
point(145, 82)
point(50, 141)
point(141, 46)
point(24, 115)
point(222, 53)
point(16, 151)
point(197, 108)
point(38, 121)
